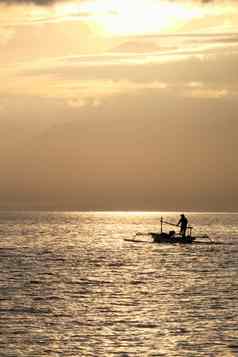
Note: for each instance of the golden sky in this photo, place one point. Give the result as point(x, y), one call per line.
point(119, 104)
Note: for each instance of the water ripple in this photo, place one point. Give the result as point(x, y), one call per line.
point(70, 285)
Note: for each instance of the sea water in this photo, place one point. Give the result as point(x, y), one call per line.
point(72, 285)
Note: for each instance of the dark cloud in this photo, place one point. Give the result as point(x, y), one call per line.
point(33, 2)
point(22, 2)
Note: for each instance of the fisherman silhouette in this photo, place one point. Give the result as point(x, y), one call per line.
point(183, 223)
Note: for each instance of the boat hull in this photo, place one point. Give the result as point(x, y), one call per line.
point(166, 238)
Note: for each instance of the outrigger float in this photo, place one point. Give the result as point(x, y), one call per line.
point(172, 237)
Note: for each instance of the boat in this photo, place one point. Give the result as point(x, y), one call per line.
point(176, 241)
point(171, 238)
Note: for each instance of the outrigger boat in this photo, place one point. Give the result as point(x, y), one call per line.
point(168, 238)
point(172, 237)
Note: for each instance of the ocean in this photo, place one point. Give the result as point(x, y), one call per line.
point(71, 285)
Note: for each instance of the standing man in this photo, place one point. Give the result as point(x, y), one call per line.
point(183, 223)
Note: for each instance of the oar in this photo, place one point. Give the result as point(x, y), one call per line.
point(175, 225)
point(171, 224)
point(143, 234)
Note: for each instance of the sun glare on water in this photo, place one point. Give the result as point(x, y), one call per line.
point(131, 17)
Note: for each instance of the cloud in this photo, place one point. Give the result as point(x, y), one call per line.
point(24, 2)
point(141, 46)
point(192, 58)
point(48, 2)
point(151, 63)
point(208, 93)
point(175, 45)
point(6, 34)
point(77, 92)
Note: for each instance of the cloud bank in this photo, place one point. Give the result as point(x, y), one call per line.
point(49, 2)
point(24, 2)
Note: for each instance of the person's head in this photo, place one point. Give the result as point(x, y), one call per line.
point(182, 215)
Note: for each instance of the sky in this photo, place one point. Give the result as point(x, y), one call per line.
point(119, 105)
